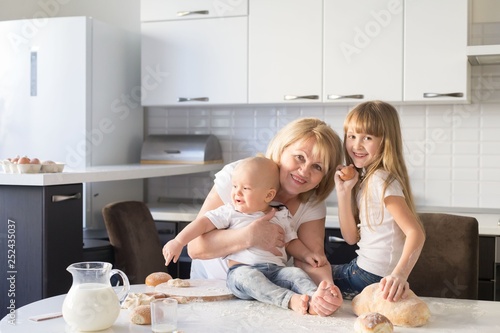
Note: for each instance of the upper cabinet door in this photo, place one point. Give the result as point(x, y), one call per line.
point(194, 62)
point(363, 50)
point(160, 10)
point(436, 67)
point(285, 51)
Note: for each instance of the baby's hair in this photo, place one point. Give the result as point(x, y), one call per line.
point(264, 167)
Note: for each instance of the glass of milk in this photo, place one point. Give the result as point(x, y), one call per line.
point(164, 315)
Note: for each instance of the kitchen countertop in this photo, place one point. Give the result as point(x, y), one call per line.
point(447, 315)
point(488, 219)
point(105, 173)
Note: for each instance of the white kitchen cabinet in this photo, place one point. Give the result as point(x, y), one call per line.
point(194, 61)
point(160, 10)
point(285, 51)
point(435, 60)
point(363, 50)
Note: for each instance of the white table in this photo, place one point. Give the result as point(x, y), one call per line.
point(448, 315)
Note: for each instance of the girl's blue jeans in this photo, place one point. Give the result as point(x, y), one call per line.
point(351, 279)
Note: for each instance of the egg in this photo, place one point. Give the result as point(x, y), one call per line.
point(24, 160)
point(348, 172)
point(34, 161)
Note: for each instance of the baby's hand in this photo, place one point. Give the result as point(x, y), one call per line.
point(172, 250)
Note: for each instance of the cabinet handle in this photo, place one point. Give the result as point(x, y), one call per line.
point(360, 96)
point(59, 198)
point(193, 12)
point(333, 239)
point(294, 97)
point(433, 95)
point(196, 99)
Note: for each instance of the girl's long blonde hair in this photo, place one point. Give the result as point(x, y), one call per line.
point(380, 119)
point(328, 147)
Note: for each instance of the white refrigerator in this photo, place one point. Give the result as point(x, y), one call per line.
point(70, 92)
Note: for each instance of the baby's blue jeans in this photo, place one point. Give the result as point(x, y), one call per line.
point(269, 283)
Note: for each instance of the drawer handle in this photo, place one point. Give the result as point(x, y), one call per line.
point(359, 96)
point(333, 239)
point(295, 97)
point(59, 198)
point(434, 95)
point(194, 12)
point(196, 99)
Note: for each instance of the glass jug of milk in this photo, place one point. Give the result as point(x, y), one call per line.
point(91, 303)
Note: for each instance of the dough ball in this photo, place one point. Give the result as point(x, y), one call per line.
point(156, 278)
point(348, 172)
point(141, 315)
point(410, 312)
point(135, 299)
point(179, 283)
point(373, 322)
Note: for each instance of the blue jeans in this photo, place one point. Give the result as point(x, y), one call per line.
point(351, 279)
point(269, 283)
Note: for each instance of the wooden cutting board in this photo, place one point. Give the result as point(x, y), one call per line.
point(198, 291)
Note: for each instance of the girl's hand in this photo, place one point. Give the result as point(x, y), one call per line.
point(394, 287)
point(345, 185)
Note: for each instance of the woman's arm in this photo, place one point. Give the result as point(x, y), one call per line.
point(312, 235)
point(299, 251)
point(220, 243)
point(395, 285)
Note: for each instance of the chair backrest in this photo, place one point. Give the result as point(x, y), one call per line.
point(134, 237)
point(448, 264)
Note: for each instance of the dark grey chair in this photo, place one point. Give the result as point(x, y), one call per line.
point(134, 237)
point(448, 264)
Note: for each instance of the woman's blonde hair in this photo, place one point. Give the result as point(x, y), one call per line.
point(381, 119)
point(328, 148)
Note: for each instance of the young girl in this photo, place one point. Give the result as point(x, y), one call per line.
point(376, 209)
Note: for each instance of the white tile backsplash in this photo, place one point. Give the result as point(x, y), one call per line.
point(452, 151)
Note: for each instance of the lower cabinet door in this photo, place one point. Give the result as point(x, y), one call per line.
point(336, 249)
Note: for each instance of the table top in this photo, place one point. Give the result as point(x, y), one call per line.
point(448, 315)
point(105, 173)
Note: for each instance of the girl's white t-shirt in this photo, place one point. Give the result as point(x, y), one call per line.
point(217, 268)
point(382, 241)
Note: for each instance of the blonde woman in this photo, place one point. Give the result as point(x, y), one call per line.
point(376, 209)
point(307, 151)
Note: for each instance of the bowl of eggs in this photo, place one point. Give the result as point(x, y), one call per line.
point(30, 165)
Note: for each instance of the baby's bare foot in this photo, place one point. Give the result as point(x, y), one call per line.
point(299, 303)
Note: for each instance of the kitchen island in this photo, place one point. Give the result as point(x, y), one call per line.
point(41, 229)
point(447, 315)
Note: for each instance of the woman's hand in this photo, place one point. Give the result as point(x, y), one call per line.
point(394, 287)
point(266, 235)
point(315, 260)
